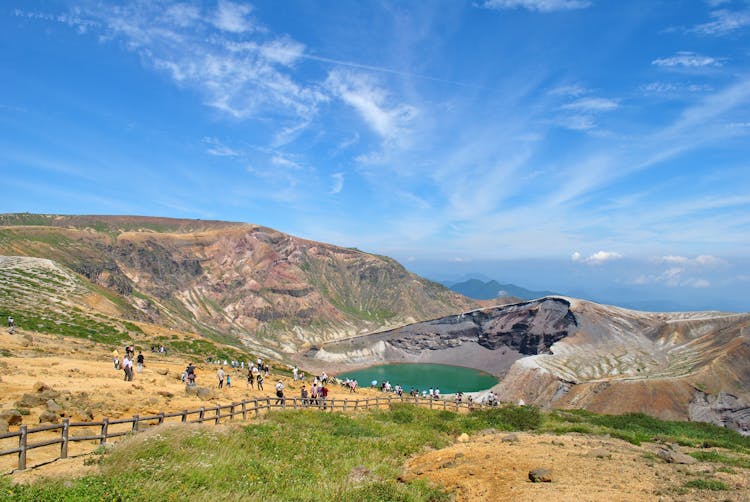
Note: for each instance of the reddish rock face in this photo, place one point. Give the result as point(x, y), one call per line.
point(276, 292)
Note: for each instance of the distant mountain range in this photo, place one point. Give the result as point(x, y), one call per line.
point(481, 290)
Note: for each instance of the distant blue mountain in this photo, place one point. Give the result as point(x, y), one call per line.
point(481, 290)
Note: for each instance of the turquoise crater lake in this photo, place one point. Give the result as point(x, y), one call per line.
point(449, 379)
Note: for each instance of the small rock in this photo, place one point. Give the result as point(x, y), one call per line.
point(152, 400)
point(41, 387)
point(540, 475)
point(162, 371)
point(600, 453)
point(49, 417)
point(510, 438)
point(165, 393)
point(675, 457)
point(13, 417)
point(31, 401)
point(463, 438)
point(53, 406)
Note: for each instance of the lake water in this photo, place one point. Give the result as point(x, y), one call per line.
point(449, 379)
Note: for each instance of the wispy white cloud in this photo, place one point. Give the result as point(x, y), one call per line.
point(217, 148)
point(597, 258)
point(238, 66)
point(592, 105)
point(698, 261)
point(379, 111)
point(724, 22)
point(233, 17)
point(675, 87)
point(284, 161)
point(687, 59)
point(673, 277)
point(338, 183)
point(537, 5)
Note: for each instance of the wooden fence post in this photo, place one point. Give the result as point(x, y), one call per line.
point(356, 404)
point(135, 423)
point(161, 417)
point(345, 403)
point(244, 410)
point(200, 414)
point(268, 403)
point(445, 403)
point(22, 447)
point(231, 411)
point(64, 444)
point(105, 426)
point(184, 416)
point(257, 412)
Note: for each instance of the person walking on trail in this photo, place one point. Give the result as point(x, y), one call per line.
point(229, 380)
point(190, 372)
point(303, 394)
point(139, 368)
point(295, 373)
point(280, 393)
point(11, 322)
point(116, 359)
point(250, 378)
point(220, 375)
point(127, 368)
point(259, 381)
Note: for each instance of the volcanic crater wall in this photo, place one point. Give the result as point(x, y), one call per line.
point(488, 339)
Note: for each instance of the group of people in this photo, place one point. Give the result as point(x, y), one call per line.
point(127, 362)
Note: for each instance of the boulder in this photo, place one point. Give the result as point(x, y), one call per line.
point(13, 417)
point(163, 371)
point(540, 475)
point(53, 406)
point(31, 401)
point(41, 387)
point(49, 417)
point(165, 393)
point(675, 457)
point(463, 438)
point(201, 392)
point(510, 438)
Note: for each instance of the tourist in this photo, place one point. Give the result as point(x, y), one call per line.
point(314, 395)
point(116, 359)
point(229, 380)
point(139, 368)
point(259, 381)
point(250, 378)
point(280, 393)
point(127, 368)
point(303, 395)
point(190, 372)
point(220, 376)
point(324, 395)
point(295, 373)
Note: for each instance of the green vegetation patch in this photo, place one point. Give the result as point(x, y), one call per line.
point(637, 428)
point(706, 484)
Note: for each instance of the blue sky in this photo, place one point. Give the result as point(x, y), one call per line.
point(594, 147)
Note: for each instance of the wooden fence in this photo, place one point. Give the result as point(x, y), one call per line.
point(113, 429)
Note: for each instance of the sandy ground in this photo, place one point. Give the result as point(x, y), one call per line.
point(584, 468)
point(483, 467)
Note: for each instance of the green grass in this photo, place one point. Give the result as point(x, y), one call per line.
point(718, 458)
point(308, 455)
point(637, 428)
point(706, 484)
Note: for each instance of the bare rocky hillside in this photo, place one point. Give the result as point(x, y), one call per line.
point(232, 282)
point(565, 353)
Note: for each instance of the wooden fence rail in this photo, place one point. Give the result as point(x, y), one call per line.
point(212, 414)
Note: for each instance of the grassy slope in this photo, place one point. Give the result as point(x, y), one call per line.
point(317, 456)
